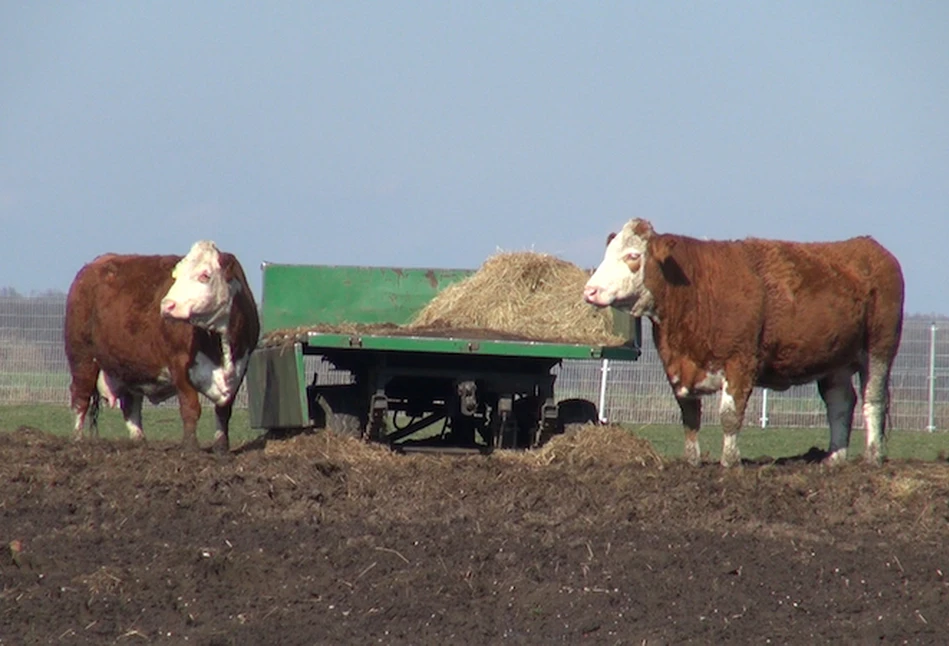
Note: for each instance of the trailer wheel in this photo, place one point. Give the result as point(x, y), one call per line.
point(341, 409)
point(574, 413)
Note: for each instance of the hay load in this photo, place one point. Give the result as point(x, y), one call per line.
point(528, 294)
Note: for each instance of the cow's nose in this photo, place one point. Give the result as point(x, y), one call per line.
point(590, 292)
point(167, 306)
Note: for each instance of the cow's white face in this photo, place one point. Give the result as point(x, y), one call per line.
point(618, 281)
point(200, 294)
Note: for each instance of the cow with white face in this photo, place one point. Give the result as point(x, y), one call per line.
point(731, 315)
point(156, 327)
point(201, 293)
point(618, 281)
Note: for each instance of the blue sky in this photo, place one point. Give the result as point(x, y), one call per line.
point(434, 133)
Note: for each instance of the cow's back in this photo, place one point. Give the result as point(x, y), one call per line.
point(825, 304)
point(113, 316)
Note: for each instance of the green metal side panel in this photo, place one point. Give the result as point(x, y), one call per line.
point(276, 388)
point(469, 346)
point(301, 295)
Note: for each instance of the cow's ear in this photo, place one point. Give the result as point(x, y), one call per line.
point(609, 239)
point(227, 265)
point(661, 248)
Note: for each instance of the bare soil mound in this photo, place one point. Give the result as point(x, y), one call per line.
point(320, 539)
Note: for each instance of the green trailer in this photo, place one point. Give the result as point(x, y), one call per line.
point(445, 389)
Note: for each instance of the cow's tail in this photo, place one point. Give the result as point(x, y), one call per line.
point(92, 414)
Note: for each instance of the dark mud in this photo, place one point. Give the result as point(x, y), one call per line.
point(322, 540)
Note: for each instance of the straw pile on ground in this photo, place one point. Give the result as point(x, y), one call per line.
point(529, 294)
point(330, 446)
point(591, 445)
point(586, 446)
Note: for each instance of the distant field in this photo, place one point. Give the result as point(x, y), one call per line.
point(163, 423)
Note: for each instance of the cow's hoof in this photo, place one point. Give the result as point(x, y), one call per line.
point(836, 458)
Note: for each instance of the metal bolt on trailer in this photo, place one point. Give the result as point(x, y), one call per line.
point(415, 390)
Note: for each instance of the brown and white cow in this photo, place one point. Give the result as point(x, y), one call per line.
point(159, 326)
point(731, 315)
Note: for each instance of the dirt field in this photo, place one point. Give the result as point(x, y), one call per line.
point(322, 540)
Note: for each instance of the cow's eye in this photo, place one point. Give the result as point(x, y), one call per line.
point(204, 277)
point(632, 256)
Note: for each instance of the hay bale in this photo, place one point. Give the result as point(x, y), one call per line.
point(533, 295)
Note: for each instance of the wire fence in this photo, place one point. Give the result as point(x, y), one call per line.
point(33, 371)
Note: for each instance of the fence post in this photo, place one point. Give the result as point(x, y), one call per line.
point(764, 408)
point(932, 378)
point(604, 370)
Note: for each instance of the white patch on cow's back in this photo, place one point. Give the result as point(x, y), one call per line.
point(219, 383)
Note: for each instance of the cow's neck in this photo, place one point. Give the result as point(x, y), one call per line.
point(228, 334)
point(224, 339)
point(215, 324)
point(218, 366)
point(227, 358)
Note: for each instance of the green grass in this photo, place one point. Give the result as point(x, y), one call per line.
point(159, 422)
point(786, 442)
point(163, 423)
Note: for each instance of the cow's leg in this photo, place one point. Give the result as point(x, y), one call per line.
point(691, 408)
point(874, 386)
point(222, 418)
point(131, 404)
point(190, 408)
point(836, 389)
point(81, 390)
point(735, 396)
